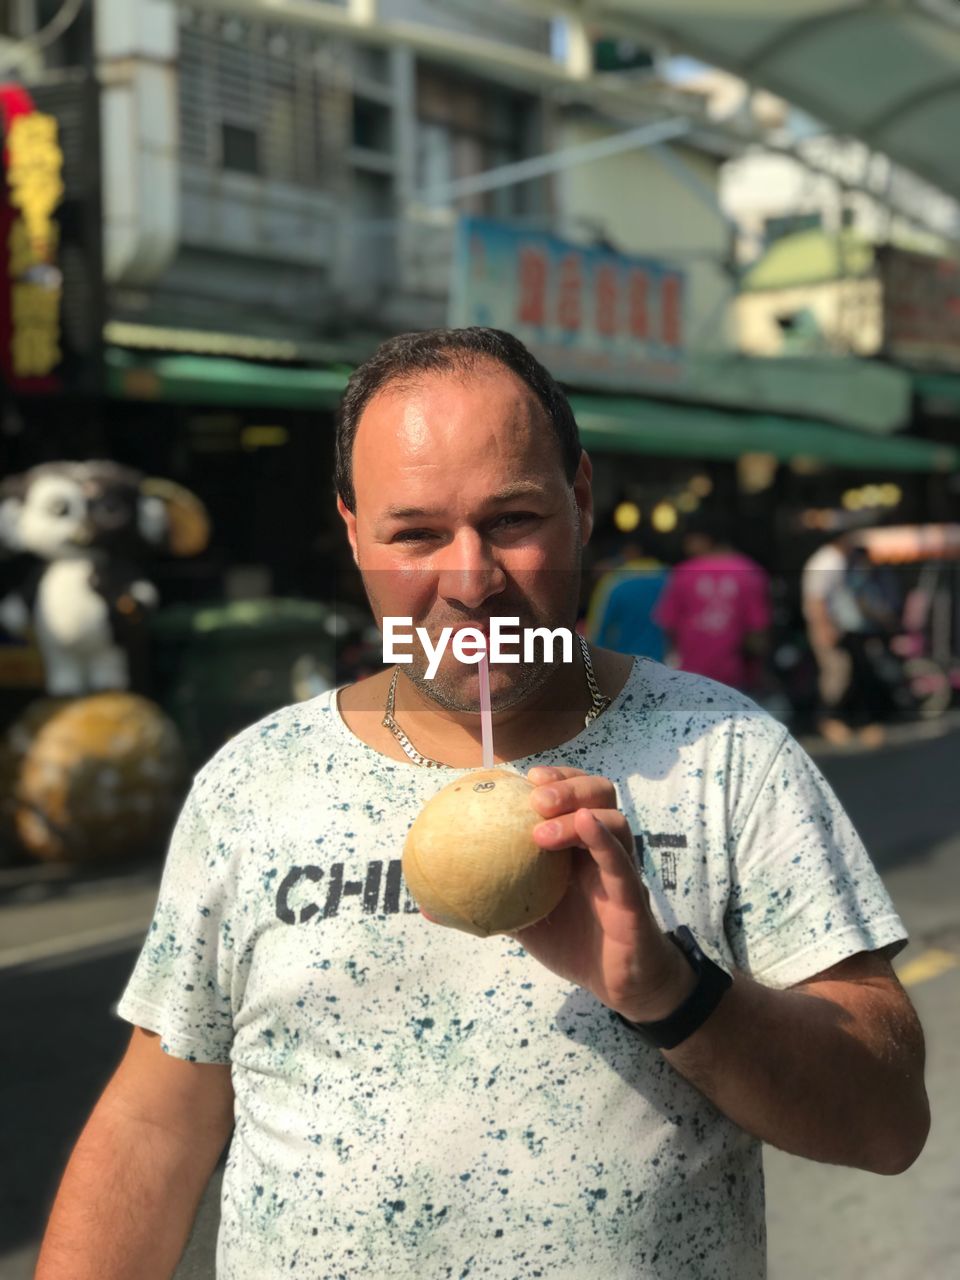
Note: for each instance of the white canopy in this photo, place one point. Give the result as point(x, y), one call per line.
point(884, 71)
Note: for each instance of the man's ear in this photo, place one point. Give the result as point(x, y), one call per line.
point(583, 494)
point(350, 520)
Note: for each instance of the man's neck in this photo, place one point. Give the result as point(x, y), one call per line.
point(552, 715)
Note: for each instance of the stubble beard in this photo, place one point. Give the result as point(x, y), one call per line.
point(447, 690)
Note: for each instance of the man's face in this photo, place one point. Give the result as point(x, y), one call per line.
point(463, 513)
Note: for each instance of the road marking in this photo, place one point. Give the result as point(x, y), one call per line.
point(928, 965)
point(121, 931)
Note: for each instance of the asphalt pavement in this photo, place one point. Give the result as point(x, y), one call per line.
point(68, 943)
point(827, 1223)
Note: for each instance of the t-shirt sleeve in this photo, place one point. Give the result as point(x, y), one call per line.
point(821, 574)
point(804, 893)
point(182, 984)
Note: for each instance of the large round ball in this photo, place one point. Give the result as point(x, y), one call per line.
point(90, 779)
point(471, 862)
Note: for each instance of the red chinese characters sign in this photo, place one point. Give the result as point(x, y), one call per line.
point(30, 279)
point(921, 306)
point(589, 313)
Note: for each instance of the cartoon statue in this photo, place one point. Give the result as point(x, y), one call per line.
point(92, 523)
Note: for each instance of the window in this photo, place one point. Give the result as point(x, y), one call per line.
point(251, 104)
point(467, 128)
point(371, 125)
point(10, 19)
point(241, 148)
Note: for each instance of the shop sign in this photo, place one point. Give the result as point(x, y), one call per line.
point(912, 543)
point(921, 306)
point(32, 284)
point(593, 316)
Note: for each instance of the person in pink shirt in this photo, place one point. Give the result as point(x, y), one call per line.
point(716, 608)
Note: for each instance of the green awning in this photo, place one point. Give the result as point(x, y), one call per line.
point(943, 388)
point(612, 424)
point(861, 394)
point(186, 379)
point(635, 425)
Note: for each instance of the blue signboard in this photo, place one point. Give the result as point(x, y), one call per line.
point(591, 315)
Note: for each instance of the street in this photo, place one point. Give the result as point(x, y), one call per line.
point(68, 944)
point(643, 317)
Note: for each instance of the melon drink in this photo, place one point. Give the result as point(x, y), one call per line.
point(471, 862)
point(470, 859)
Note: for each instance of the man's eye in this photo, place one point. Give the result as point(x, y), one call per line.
point(412, 535)
point(511, 519)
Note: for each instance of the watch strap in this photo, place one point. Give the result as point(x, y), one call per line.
point(712, 982)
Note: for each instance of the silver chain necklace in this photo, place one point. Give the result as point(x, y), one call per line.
point(598, 704)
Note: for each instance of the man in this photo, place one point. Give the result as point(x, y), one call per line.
point(716, 608)
point(586, 1099)
point(845, 612)
point(828, 609)
point(621, 613)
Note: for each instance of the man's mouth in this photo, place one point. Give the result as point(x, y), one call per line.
point(482, 627)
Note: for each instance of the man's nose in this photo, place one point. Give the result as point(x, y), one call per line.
point(469, 572)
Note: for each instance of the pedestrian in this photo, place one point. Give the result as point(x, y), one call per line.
point(826, 607)
point(586, 1098)
point(716, 607)
point(623, 604)
point(848, 612)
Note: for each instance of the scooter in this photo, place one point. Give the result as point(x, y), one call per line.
point(920, 663)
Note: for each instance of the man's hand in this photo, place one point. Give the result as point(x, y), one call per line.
point(603, 935)
point(831, 1069)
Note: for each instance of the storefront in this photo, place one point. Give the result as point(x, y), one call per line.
point(51, 293)
point(776, 443)
point(51, 296)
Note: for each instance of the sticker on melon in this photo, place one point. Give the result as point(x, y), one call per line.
point(471, 862)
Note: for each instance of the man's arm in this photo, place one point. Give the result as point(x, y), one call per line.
point(831, 1069)
point(132, 1186)
point(821, 628)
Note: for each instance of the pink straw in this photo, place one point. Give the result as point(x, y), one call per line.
point(486, 716)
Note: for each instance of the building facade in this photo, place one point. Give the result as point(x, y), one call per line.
point(284, 186)
point(291, 184)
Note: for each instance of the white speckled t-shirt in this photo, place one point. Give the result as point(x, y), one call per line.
point(412, 1101)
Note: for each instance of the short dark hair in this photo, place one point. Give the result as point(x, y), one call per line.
point(404, 358)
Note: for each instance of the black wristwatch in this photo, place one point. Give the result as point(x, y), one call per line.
point(712, 982)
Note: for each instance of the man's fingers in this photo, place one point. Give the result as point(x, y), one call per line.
point(619, 874)
point(542, 773)
point(566, 795)
point(569, 829)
